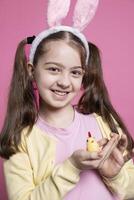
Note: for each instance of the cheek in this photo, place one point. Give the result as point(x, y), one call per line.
point(40, 79)
point(44, 80)
point(78, 84)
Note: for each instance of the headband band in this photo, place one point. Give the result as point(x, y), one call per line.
point(57, 29)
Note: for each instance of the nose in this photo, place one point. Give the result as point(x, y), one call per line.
point(64, 81)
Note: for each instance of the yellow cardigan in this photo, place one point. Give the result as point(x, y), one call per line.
point(31, 174)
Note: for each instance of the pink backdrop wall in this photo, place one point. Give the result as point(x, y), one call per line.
point(112, 29)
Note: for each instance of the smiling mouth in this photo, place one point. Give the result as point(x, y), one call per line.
point(60, 93)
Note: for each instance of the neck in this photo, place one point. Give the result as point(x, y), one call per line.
point(59, 118)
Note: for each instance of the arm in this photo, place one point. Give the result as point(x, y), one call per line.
point(122, 183)
point(21, 185)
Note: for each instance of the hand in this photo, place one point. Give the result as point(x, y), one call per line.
point(83, 159)
point(113, 162)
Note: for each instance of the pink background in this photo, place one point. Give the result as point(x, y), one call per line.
point(112, 29)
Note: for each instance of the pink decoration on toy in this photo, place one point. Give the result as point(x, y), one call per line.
point(89, 134)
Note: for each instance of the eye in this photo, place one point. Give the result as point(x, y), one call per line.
point(54, 70)
point(77, 73)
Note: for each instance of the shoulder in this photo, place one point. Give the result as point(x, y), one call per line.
point(84, 117)
point(35, 138)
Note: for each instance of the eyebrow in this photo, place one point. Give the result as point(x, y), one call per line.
point(62, 66)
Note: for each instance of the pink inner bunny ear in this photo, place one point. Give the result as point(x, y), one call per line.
point(57, 10)
point(84, 12)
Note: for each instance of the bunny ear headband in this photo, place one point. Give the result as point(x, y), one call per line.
point(57, 10)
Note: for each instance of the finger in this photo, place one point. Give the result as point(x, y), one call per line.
point(129, 156)
point(111, 144)
point(117, 156)
point(92, 156)
point(85, 155)
point(113, 134)
point(88, 164)
point(103, 142)
point(107, 150)
point(123, 143)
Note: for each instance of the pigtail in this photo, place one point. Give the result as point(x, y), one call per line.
point(95, 98)
point(22, 106)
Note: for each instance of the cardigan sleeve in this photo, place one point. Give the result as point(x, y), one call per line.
point(122, 184)
point(19, 173)
point(20, 182)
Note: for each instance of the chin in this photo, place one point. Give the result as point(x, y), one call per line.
point(59, 105)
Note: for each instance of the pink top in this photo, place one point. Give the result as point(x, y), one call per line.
point(70, 139)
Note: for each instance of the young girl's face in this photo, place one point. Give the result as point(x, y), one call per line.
point(58, 74)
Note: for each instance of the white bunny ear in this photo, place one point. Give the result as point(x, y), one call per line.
point(84, 12)
point(57, 10)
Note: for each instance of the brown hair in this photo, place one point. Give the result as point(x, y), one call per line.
point(95, 98)
point(22, 109)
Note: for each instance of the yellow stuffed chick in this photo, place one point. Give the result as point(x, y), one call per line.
point(92, 145)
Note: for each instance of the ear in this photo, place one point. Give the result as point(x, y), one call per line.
point(30, 69)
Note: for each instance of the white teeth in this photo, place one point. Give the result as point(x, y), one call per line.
point(60, 92)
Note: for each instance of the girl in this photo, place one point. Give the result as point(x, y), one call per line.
point(44, 143)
